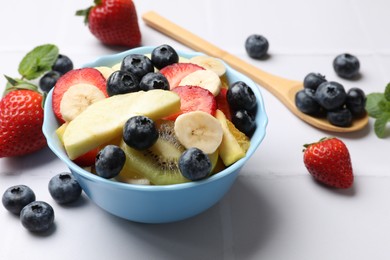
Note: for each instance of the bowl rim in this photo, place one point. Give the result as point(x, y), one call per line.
point(256, 139)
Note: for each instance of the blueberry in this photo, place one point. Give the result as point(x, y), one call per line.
point(330, 95)
point(241, 96)
point(163, 56)
point(38, 216)
point(48, 80)
point(340, 117)
point(306, 102)
point(313, 80)
point(137, 64)
point(256, 46)
point(244, 122)
point(356, 102)
point(140, 132)
point(122, 82)
point(64, 188)
point(346, 66)
point(63, 64)
point(110, 161)
point(154, 80)
point(194, 164)
point(16, 197)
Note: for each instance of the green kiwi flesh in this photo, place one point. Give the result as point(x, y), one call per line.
point(159, 164)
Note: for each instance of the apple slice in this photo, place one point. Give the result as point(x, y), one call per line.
point(103, 121)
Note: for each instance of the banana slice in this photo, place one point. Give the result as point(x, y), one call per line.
point(199, 129)
point(106, 71)
point(77, 98)
point(203, 78)
point(210, 63)
point(117, 66)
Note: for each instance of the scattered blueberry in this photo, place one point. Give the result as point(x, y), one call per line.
point(194, 164)
point(48, 80)
point(140, 132)
point(63, 64)
point(137, 64)
point(16, 197)
point(64, 188)
point(37, 216)
point(110, 161)
point(330, 95)
point(356, 102)
point(241, 96)
point(256, 46)
point(313, 80)
point(340, 117)
point(122, 82)
point(346, 66)
point(244, 122)
point(306, 102)
point(164, 55)
point(154, 80)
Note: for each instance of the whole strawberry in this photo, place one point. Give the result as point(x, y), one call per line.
point(329, 162)
point(21, 119)
point(113, 22)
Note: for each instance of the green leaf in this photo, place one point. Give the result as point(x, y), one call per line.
point(15, 84)
point(38, 61)
point(384, 105)
point(387, 92)
point(380, 124)
point(372, 104)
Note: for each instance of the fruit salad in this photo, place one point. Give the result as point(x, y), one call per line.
point(154, 119)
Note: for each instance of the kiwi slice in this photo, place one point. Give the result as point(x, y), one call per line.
point(158, 164)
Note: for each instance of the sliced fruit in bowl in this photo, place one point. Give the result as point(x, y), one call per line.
point(161, 199)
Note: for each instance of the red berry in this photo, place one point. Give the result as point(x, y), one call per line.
point(21, 119)
point(177, 71)
point(77, 76)
point(113, 22)
point(193, 98)
point(87, 159)
point(223, 104)
point(329, 162)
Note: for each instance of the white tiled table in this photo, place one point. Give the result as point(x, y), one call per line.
point(274, 210)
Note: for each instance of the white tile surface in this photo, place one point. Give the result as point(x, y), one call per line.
point(274, 210)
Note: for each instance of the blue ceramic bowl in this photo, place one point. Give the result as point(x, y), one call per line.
point(155, 204)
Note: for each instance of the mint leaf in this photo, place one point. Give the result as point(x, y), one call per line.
point(372, 104)
point(38, 61)
point(384, 105)
point(387, 92)
point(380, 124)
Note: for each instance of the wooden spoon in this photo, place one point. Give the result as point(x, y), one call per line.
point(281, 88)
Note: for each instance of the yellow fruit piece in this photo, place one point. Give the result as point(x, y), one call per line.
point(230, 149)
point(117, 66)
point(60, 132)
point(106, 71)
point(241, 138)
point(104, 120)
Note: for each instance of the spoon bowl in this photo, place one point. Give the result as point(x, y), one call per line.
point(281, 88)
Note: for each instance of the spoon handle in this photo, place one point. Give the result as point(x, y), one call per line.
point(278, 86)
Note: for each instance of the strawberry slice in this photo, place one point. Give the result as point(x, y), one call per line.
point(89, 76)
point(177, 71)
point(223, 104)
point(87, 159)
point(193, 98)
